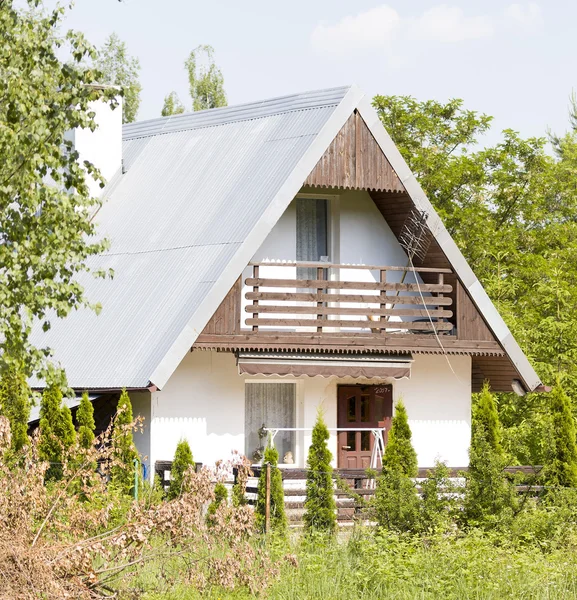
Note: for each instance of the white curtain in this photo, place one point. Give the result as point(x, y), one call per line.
point(312, 241)
point(269, 405)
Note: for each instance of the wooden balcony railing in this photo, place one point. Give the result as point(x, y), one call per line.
point(330, 301)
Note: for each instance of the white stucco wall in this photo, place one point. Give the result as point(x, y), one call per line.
point(203, 402)
point(103, 146)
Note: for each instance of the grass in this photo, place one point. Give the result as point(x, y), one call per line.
point(369, 566)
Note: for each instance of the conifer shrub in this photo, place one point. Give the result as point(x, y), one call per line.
point(57, 434)
point(438, 500)
point(396, 502)
point(123, 449)
point(15, 405)
point(278, 520)
point(320, 506)
point(561, 467)
point(182, 462)
point(85, 420)
point(490, 498)
point(220, 496)
point(399, 453)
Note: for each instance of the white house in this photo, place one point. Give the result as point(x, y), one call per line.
point(272, 259)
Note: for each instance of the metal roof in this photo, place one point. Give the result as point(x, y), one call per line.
point(194, 187)
point(198, 197)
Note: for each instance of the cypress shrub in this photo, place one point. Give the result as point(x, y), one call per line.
point(15, 405)
point(397, 504)
point(220, 496)
point(123, 450)
point(320, 507)
point(182, 462)
point(399, 453)
point(561, 467)
point(278, 520)
point(490, 499)
point(85, 420)
point(57, 433)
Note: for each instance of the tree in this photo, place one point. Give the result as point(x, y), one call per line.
point(396, 501)
point(320, 507)
point(278, 520)
point(57, 433)
point(85, 420)
point(120, 69)
point(561, 468)
point(399, 453)
point(172, 105)
point(15, 405)
point(490, 499)
point(182, 462)
point(47, 231)
point(123, 450)
point(486, 419)
point(206, 83)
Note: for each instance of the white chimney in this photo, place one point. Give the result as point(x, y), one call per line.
point(103, 146)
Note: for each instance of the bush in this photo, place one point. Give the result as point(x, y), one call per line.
point(561, 467)
point(278, 520)
point(220, 496)
point(123, 450)
point(490, 499)
point(396, 502)
point(85, 420)
point(57, 433)
point(438, 500)
point(399, 452)
point(15, 405)
point(182, 462)
point(320, 507)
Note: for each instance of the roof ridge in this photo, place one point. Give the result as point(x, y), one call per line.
point(235, 113)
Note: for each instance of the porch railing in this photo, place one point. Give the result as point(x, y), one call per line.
point(328, 298)
point(377, 432)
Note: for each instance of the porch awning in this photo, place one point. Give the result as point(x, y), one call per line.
point(381, 366)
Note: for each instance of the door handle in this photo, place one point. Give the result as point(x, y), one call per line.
point(345, 447)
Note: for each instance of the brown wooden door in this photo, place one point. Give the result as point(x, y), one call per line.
point(362, 406)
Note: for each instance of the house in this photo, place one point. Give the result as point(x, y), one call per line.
point(272, 259)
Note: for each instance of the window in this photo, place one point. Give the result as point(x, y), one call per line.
point(270, 405)
point(312, 234)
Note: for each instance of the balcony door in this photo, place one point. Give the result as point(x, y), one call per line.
point(362, 407)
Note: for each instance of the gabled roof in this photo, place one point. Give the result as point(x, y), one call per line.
point(199, 194)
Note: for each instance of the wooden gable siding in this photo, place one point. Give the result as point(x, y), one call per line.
point(354, 160)
point(470, 323)
point(498, 371)
point(226, 319)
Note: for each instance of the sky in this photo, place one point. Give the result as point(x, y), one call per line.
point(512, 60)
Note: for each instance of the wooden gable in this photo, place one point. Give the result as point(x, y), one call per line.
point(354, 160)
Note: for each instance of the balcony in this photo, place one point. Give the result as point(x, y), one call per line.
point(353, 300)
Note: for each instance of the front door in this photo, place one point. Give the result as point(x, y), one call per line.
point(363, 407)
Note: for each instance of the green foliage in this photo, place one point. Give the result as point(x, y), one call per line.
point(439, 502)
point(85, 420)
point(220, 496)
point(123, 450)
point(490, 498)
point(396, 502)
point(57, 433)
point(120, 69)
point(278, 520)
point(561, 467)
point(205, 79)
point(399, 453)
point(45, 205)
point(486, 419)
point(182, 462)
point(15, 405)
point(320, 507)
point(172, 105)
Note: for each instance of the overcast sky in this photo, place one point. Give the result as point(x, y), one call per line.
point(515, 61)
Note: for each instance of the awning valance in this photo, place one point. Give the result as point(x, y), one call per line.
point(381, 366)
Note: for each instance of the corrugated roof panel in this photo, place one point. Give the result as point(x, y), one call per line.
point(176, 218)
